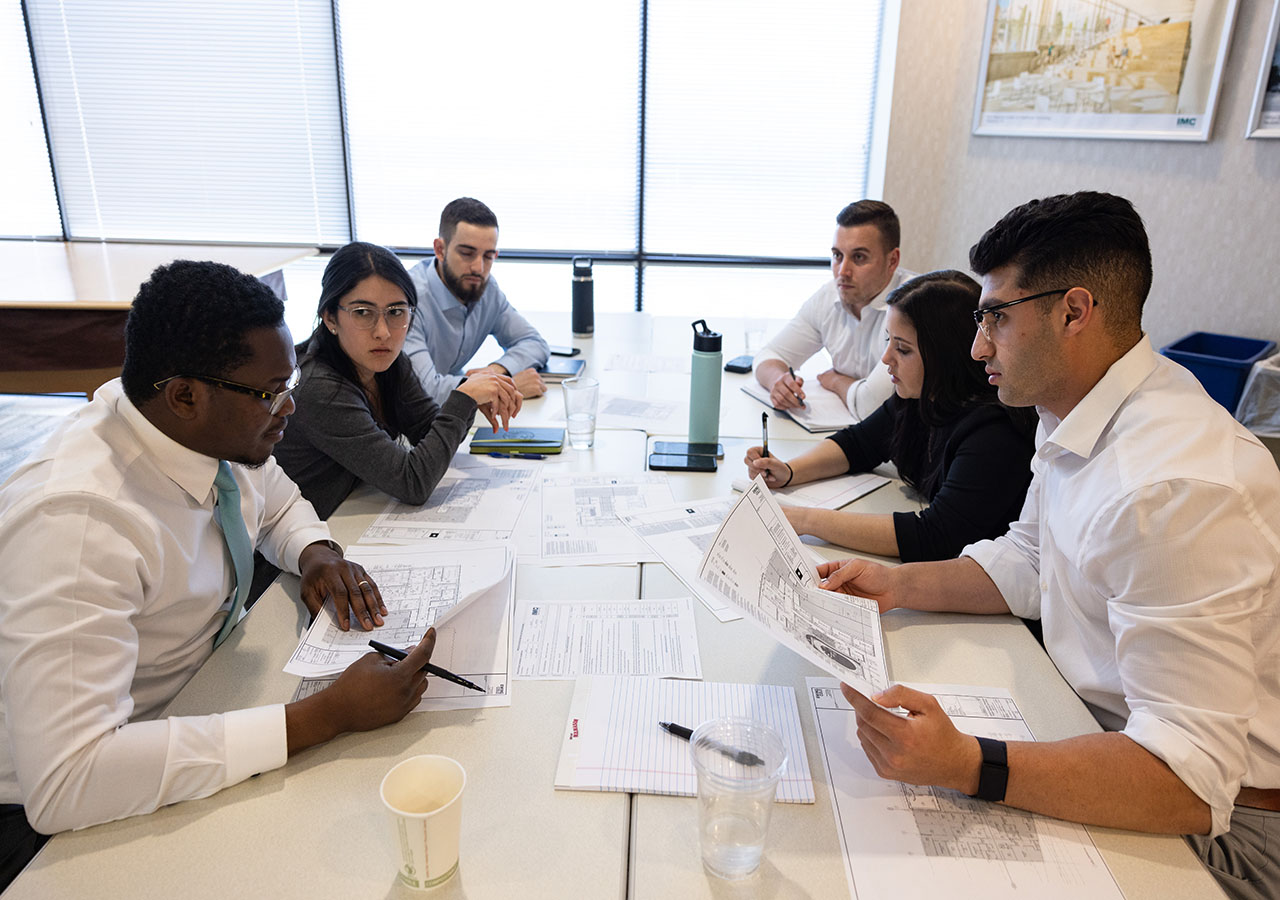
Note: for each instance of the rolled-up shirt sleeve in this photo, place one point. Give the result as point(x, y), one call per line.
point(1012, 561)
point(523, 347)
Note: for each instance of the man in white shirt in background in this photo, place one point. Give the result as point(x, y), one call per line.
point(118, 579)
point(460, 304)
point(1147, 547)
point(846, 316)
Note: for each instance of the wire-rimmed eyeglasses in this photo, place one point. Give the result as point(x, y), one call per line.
point(277, 398)
point(988, 317)
point(366, 318)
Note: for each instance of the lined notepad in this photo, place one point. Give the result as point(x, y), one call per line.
point(612, 741)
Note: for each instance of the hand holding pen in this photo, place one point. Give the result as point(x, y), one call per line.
point(430, 669)
point(787, 391)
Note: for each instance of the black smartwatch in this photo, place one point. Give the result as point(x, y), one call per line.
point(993, 778)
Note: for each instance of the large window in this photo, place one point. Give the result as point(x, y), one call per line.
point(29, 208)
point(174, 121)
point(654, 135)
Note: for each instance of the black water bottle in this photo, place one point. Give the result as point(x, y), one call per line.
point(584, 315)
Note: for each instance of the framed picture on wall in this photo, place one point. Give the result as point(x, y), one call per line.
point(1138, 69)
point(1264, 121)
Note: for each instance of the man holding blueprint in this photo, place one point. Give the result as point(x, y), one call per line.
point(1147, 547)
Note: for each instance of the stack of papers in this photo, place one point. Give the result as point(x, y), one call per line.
point(828, 493)
point(518, 440)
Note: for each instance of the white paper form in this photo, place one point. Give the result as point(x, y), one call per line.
point(823, 410)
point(901, 841)
point(580, 525)
point(612, 741)
point(758, 564)
point(476, 644)
point(680, 535)
point(421, 585)
point(478, 499)
point(562, 639)
point(828, 493)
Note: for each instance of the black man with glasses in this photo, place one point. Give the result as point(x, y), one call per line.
point(126, 542)
point(1148, 548)
point(359, 395)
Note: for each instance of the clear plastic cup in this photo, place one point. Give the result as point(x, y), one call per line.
point(739, 762)
point(581, 396)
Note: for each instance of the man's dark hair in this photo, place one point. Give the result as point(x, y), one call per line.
point(1087, 239)
point(873, 212)
point(191, 318)
point(465, 209)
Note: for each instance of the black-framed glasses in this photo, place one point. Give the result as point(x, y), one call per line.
point(366, 317)
point(988, 317)
point(277, 398)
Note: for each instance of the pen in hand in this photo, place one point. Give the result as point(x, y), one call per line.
point(396, 653)
point(792, 373)
point(764, 432)
point(742, 757)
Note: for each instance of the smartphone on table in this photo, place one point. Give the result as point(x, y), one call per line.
point(681, 448)
point(681, 462)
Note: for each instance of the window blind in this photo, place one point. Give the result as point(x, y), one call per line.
point(181, 121)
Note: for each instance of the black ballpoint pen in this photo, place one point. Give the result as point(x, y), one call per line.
point(396, 653)
point(743, 757)
point(764, 434)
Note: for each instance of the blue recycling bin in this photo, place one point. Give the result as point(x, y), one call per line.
point(1220, 361)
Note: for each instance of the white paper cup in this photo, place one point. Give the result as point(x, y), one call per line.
point(424, 796)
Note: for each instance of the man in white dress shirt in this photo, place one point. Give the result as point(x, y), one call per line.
point(846, 316)
point(118, 576)
point(1147, 547)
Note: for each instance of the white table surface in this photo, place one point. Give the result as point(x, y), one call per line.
point(315, 828)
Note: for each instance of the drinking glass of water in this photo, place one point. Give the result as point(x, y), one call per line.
point(581, 396)
point(739, 762)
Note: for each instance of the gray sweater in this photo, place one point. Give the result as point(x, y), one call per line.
point(333, 442)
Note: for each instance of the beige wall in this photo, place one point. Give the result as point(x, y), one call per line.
point(1212, 209)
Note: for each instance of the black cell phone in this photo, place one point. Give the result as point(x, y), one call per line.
point(565, 351)
point(740, 364)
point(680, 448)
point(673, 462)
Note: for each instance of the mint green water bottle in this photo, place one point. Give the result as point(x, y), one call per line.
point(704, 386)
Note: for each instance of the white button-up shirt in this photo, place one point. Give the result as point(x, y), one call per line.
point(1148, 547)
point(855, 345)
point(116, 581)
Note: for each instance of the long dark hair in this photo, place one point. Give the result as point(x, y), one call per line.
point(348, 267)
point(940, 307)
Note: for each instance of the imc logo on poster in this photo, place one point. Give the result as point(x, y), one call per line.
point(1186, 121)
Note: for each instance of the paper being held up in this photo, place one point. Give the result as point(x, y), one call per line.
point(758, 563)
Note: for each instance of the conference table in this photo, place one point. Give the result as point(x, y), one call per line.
point(69, 301)
point(317, 827)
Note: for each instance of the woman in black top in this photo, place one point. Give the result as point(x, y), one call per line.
point(951, 439)
point(358, 395)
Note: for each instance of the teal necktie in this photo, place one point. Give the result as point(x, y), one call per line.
point(227, 514)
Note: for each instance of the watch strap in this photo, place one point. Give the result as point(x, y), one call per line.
point(993, 777)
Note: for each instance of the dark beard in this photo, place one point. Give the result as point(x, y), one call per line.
point(454, 284)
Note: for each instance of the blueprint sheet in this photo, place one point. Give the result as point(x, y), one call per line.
point(903, 841)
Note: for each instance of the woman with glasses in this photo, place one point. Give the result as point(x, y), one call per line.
point(951, 439)
point(358, 395)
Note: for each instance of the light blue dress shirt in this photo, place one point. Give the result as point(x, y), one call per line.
point(445, 334)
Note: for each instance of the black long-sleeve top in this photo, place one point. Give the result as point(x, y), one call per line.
point(984, 458)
